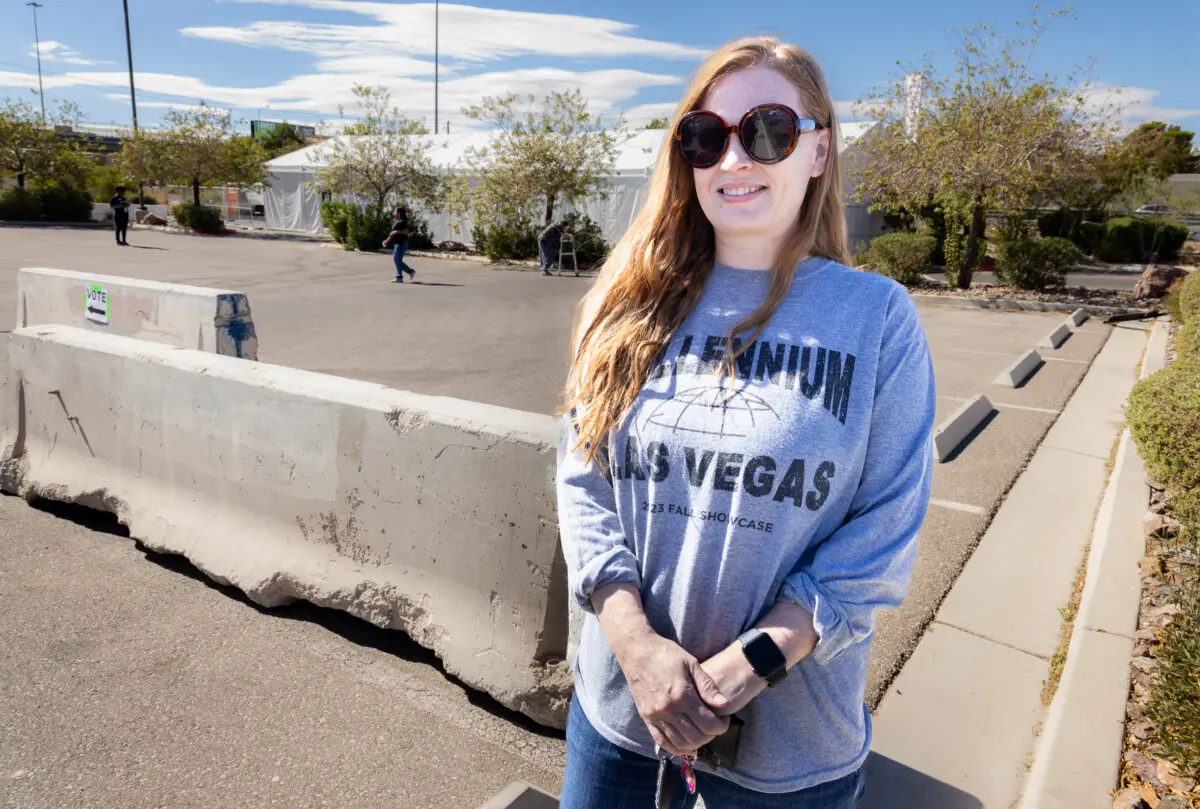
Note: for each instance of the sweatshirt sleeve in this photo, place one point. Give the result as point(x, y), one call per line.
point(865, 564)
point(593, 540)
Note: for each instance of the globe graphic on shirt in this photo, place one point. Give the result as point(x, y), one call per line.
point(691, 411)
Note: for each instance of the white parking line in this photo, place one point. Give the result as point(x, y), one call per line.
point(953, 506)
point(1061, 359)
point(1006, 405)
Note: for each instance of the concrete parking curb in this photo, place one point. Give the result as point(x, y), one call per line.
point(1077, 761)
point(1025, 306)
point(954, 430)
point(1079, 317)
point(1057, 337)
point(519, 795)
point(1019, 371)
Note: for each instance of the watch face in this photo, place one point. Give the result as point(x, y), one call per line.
point(764, 656)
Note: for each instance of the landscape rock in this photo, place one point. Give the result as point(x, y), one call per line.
point(454, 247)
point(1134, 711)
point(1151, 565)
point(1174, 802)
point(1144, 664)
point(1156, 280)
point(1145, 768)
point(1143, 729)
point(1128, 798)
point(153, 219)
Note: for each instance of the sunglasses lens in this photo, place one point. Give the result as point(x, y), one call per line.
point(768, 135)
point(702, 140)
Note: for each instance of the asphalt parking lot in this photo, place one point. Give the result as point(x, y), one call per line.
point(466, 330)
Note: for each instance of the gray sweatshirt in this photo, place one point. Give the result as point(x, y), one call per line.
point(808, 485)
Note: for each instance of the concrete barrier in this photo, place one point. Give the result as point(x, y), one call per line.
point(1079, 317)
point(430, 515)
point(214, 320)
point(1057, 337)
point(1020, 370)
point(954, 430)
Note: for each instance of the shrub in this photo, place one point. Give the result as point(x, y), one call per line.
point(1175, 696)
point(20, 204)
point(1187, 343)
point(334, 213)
point(63, 203)
point(367, 228)
point(149, 199)
point(197, 217)
point(1189, 299)
point(1063, 223)
point(1089, 236)
point(590, 247)
point(1130, 239)
point(1035, 263)
point(515, 240)
point(1163, 414)
point(903, 257)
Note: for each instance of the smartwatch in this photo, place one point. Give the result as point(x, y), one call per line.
point(764, 656)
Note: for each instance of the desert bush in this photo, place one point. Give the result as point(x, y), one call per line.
point(1130, 239)
point(367, 228)
point(20, 205)
point(334, 215)
point(514, 240)
point(197, 217)
point(64, 203)
point(903, 257)
point(590, 247)
point(1163, 414)
point(1189, 299)
point(1035, 263)
point(1175, 694)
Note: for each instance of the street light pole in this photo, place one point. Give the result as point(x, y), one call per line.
point(37, 44)
point(435, 67)
point(133, 97)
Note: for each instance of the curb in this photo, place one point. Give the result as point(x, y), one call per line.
point(951, 432)
point(74, 225)
point(1057, 337)
point(1077, 761)
point(1019, 371)
point(1025, 306)
point(520, 795)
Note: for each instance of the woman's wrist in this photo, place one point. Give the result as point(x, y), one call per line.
point(619, 609)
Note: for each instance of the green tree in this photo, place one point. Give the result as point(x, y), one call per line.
point(991, 135)
point(30, 149)
point(542, 154)
point(281, 140)
point(1161, 149)
point(384, 160)
point(196, 148)
point(658, 123)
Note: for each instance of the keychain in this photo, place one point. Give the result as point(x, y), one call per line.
point(666, 785)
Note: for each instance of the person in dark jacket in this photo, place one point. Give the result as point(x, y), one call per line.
point(120, 211)
point(398, 241)
point(548, 243)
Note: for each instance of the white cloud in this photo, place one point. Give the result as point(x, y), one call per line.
point(468, 33)
point(643, 114)
point(1134, 105)
point(58, 52)
point(165, 105)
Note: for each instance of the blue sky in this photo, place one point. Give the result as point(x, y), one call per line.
point(297, 59)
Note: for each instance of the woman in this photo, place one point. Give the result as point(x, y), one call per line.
point(746, 464)
point(398, 240)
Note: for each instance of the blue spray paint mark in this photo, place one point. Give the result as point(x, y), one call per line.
point(236, 329)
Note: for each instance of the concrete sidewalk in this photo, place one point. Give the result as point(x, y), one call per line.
point(961, 720)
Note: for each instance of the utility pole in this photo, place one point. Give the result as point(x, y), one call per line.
point(435, 66)
point(133, 97)
point(37, 44)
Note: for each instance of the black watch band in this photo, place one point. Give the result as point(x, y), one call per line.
point(764, 656)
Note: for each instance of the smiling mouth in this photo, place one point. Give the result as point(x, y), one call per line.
point(742, 191)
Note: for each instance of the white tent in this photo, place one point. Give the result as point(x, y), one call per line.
point(293, 203)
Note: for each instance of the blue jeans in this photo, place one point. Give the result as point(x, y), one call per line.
point(601, 775)
point(398, 251)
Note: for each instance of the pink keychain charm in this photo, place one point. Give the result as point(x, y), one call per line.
point(689, 775)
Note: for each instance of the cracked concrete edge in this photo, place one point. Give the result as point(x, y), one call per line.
point(1077, 760)
point(1024, 306)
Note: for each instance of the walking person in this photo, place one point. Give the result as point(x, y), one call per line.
point(398, 240)
point(746, 462)
point(548, 243)
point(120, 214)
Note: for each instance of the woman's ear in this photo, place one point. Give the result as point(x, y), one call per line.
point(822, 155)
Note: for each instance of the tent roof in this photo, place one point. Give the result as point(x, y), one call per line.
point(637, 155)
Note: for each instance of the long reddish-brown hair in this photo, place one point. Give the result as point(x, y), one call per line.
point(657, 272)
